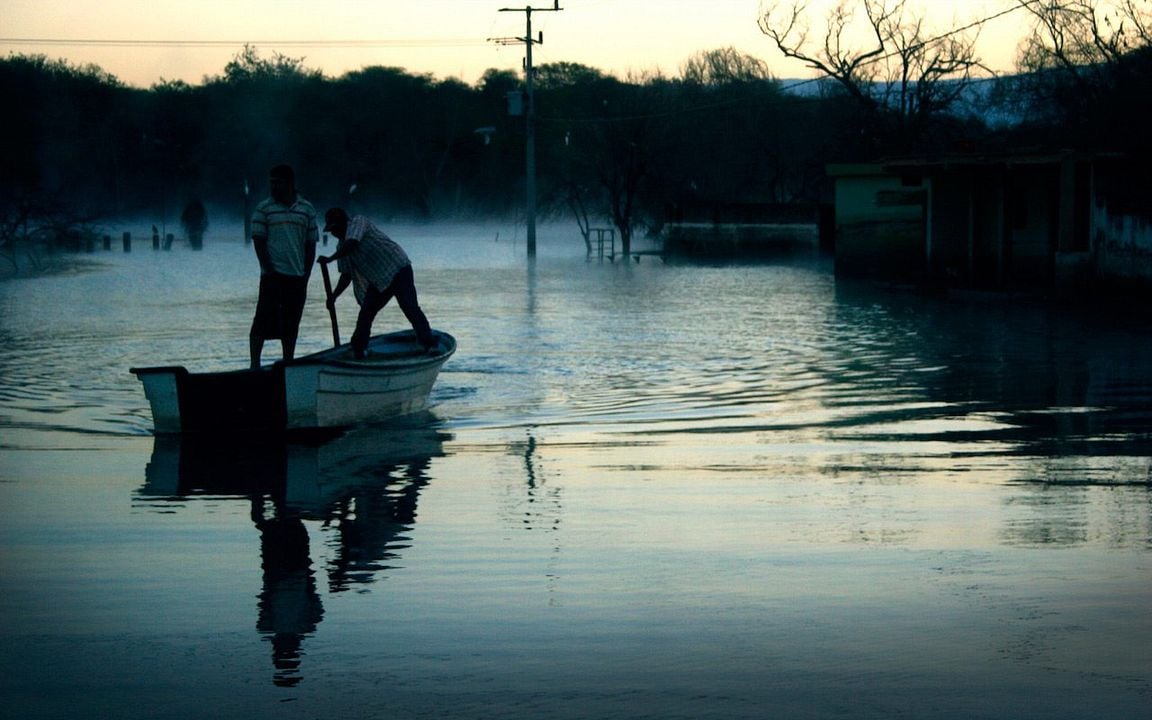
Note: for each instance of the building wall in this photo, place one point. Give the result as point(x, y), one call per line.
point(994, 226)
point(988, 259)
point(1121, 226)
point(879, 223)
point(1033, 205)
point(1123, 246)
point(1055, 222)
point(951, 207)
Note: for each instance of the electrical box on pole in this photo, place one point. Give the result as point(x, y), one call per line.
point(516, 103)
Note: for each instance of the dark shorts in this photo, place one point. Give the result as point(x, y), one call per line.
point(280, 306)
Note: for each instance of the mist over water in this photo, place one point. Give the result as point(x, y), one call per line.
point(643, 489)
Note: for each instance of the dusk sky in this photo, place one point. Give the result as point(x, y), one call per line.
point(144, 42)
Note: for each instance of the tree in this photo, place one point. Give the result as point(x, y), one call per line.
point(1085, 71)
point(610, 151)
point(602, 144)
point(552, 76)
point(1082, 36)
point(248, 66)
point(572, 97)
point(263, 112)
point(724, 133)
point(901, 70)
point(63, 131)
point(724, 66)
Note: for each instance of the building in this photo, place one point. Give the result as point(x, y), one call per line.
point(1045, 221)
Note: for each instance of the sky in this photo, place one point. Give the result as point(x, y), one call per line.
point(145, 42)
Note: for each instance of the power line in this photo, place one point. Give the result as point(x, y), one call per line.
point(100, 42)
point(368, 43)
point(1019, 5)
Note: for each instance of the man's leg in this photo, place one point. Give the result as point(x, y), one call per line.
point(404, 287)
point(374, 301)
point(294, 295)
point(255, 348)
point(264, 321)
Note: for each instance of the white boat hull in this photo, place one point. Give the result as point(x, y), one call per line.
point(329, 389)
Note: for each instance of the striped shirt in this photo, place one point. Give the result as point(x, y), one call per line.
point(373, 258)
point(289, 230)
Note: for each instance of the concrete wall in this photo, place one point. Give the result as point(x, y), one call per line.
point(879, 224)
point(1032, 206)
point(1122, 246)
point(1060, 222)
point(1121, 225)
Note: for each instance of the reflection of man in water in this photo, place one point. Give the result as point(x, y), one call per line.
point(372, 527)
point(290, 607)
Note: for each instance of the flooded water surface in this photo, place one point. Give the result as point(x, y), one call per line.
point(644, 490)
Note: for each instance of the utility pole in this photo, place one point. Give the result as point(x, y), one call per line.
point(529, 115)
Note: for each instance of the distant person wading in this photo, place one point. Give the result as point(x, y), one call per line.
point(378, 270)
point(194, 220)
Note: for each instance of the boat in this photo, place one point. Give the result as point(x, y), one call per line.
point(328, 390)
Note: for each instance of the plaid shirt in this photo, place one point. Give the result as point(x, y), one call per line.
point(373, 258)
point(289, 229)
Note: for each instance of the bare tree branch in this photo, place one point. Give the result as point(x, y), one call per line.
point(900, 67)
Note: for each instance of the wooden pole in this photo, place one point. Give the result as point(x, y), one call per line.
point(330, 304)
point(530, 119)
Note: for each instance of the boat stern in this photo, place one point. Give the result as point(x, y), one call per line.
point(162, 388)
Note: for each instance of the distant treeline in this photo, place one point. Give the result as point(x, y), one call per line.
point(630, 152)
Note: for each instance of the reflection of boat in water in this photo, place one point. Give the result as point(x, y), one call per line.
point(363, 486)
point(328, 389)
point(307, 477)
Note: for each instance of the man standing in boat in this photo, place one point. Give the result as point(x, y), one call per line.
point(378, 270)
point(284, 235)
